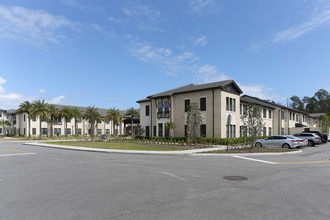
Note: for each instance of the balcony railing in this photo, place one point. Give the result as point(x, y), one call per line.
point(163, 114)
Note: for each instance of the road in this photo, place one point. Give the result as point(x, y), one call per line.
point(46, 183)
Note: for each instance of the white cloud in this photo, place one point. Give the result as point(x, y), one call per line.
point(74, 3)
point(2, 81)
point(260, 91)
point(144, 17)
point(42, 91)
point(163, 57)
point(56, 100)
point(201, 41)
point(320, 17)
point(198, 6)
point(36, 27)
point(208, 73)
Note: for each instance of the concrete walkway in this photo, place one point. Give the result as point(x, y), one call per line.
point(194, 152)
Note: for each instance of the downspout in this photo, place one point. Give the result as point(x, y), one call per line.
point(151, 128)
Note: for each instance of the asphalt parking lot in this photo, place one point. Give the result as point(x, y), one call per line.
point(47, 183)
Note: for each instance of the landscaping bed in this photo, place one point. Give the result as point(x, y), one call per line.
point(126, 145)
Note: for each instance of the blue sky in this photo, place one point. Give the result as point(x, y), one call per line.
point(111, 53)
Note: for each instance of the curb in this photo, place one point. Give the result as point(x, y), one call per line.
point(196, 152)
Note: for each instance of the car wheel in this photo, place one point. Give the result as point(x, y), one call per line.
point(311, 143)
point(258, 144)
point(286, 146)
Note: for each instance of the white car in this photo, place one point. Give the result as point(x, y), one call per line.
point(284, 141)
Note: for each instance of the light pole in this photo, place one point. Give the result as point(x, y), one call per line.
point(228, 123)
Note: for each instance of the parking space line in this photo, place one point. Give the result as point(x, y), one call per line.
point(321, 161)
point(261, 161)
point(21, 154)
point(173, 175)
point(20, 151)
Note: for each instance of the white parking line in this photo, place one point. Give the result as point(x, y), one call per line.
point(7, 155)
point(173, 175)
point(261, 161)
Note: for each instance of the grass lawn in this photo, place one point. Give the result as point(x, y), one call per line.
point(121, 146)
point(253, 150)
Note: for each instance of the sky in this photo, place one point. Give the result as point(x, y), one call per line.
point(111, 53)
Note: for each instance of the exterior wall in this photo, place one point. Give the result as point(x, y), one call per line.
point(224, 114)
point(145, 120)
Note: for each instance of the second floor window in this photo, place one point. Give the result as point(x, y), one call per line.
point(203, 104)
point(230, 104)
point(264, 113)
point(186, 105)
point(147, 110)
point(167, 107)
point(160, 107)
point(269, 114)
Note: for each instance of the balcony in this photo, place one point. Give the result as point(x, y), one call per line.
point(163, 114)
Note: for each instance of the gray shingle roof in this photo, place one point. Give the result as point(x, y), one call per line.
point(249, 99)
point(195, 87)
point(316, 115)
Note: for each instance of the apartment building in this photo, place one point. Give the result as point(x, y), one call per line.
point(19, 125)
point(216, 101)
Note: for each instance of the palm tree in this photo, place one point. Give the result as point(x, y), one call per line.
point(76, 113)
point(53, 111)
point(169, 126)
point(131, 112)
point(93, 116)
point(25, 107)
point(4, 125)
point(114, 115)
point(65, 113)
point(40, 109)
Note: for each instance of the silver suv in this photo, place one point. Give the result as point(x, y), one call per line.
point(312, 138)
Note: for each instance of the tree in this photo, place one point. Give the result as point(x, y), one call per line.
point(76, 113)
point(92, 116)
point(65, 113)
point(138, 130)
point(53, 111)
point(131, 112)
point(169, 126)
point(40, 109)
point(194, 120)
point(297, 103)
point(324, 123)
point(25, 107)
point(253, 121)
point(4, 126)
point(113, 115)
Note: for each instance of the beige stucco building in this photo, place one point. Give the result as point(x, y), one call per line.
point(216, 101)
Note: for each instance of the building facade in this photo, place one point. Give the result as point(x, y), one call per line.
point(216, 101)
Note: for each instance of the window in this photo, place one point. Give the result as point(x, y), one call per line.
point(290, 115)
point(34, 119)
point(0, 116)
point(160, 130)
point(293, 116)
point(147, 131)
point(167, 131)
point(160, 107)
point(107, 131)
point(68, 120)
point(282, 131)
point(147, 110)
point(68, 131)
point(269, 114)
point(230, 104)
point(186, 105)
point(23, 117)
point(203, 103)
point(107, 122)
point(282, 115)
point(265, 113)
point(34, 131)
point(269, 131)
point(99, 131)
point(167, 107)
point(244, 109)
point(43, 119)
point(203, 131)
point(0, 130)
point(24, 130)
point(78, 120)
point(155, 130)
point(79, 131)
point(231, 131)
point(240, 109)
point(264, 131)
point(185, 131)
point(44, 131)
point(243, 131)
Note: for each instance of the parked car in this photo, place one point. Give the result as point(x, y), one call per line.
point(284, 141)
point(329, 137)
point(312, 138)
point(324, 137)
